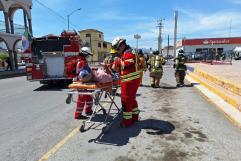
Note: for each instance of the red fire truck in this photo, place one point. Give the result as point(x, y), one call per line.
point(51, 58)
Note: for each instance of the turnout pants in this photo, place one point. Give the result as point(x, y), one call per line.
point(128, 101)
point(180, 75)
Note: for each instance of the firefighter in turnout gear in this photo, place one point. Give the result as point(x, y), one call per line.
point(108, 63)
point(127, 66)
point(180, 68)
point(155, 67)
point(142, 64)
point(109, 60)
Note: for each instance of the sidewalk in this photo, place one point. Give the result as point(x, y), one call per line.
point(9, 74)
point(222, 80)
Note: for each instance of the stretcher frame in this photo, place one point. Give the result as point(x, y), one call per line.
point(98, 105)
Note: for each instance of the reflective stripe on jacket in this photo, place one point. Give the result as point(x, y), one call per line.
point(129, 66)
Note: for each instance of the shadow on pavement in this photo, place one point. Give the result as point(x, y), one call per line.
point(146, 86)
point(118, 136)
point(163, 87)
point(168, 87)
point(52, 87)
point(191, 84)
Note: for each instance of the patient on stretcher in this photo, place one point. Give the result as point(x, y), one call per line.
point(84, 102)
point(85, 75)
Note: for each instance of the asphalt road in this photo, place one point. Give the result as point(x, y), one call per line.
point(33, 118)
point(176, 125)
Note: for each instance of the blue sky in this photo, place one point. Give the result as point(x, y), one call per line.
point(206, 18)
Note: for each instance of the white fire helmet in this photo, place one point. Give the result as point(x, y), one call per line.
point(117, 41)
point(86, 50)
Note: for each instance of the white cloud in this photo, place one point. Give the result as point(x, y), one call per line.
point(113, 15)
point(236, 1)
point(197, 23)
point(191, 24)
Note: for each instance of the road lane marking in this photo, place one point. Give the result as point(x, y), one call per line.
point(53, 150)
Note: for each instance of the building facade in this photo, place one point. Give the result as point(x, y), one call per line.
point(208, 45)
point(168, 51)
point(10, 33)
point(95, 40)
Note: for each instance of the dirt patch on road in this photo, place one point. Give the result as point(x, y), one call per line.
point(199, 133)
point(123, 158)
point(172, 155)
point(188, 135)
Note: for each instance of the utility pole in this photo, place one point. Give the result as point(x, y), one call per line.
point(160, 26)
point(230, 27)
point(175, 32)
point(167, 46)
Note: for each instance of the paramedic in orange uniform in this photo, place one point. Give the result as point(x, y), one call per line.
point(127, 66)
point(83, 71)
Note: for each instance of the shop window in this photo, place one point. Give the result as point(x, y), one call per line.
point(205, 50)
point(220, 55)
point(220, 50)
point(198, 50)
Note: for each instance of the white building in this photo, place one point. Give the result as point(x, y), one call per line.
point(168, 51)
point(208, 45)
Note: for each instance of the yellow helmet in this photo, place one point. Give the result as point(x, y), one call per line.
point(113, 51)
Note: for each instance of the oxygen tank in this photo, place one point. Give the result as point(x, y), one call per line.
point(157, 61)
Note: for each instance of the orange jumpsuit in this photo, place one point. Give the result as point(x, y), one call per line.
point(83, 100)
point(130, 81)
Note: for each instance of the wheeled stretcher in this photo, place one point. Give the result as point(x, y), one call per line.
point(103, 94)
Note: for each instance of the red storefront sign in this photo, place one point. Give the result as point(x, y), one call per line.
point(209, 41)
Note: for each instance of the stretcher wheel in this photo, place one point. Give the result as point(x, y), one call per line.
point(68, 99)
point(104, 111)
point(82, 128)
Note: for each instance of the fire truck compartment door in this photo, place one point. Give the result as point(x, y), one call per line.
point(55, 66)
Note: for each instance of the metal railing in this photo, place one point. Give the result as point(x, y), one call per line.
point(18, 29)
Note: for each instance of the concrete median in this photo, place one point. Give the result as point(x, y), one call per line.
point(219, 80)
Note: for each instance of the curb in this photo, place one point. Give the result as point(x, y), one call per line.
point(233, 87)
point(232, 113)
point(225, 97)
point(11, 74)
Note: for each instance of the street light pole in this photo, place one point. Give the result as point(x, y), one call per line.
point(137, 37)
point(71, 14)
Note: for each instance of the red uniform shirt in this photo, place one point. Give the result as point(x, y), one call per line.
point(128, 66)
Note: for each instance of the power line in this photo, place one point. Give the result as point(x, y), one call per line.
point(56, 13)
